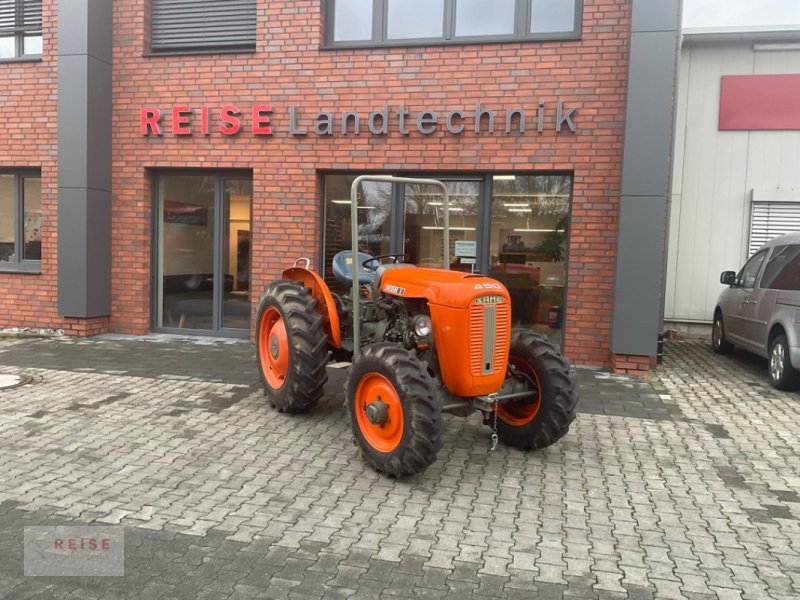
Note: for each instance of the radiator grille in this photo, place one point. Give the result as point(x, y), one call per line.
point(478, 338)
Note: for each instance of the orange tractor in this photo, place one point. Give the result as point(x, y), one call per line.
point(419, 342)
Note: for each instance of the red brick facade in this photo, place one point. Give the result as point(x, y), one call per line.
point(289, 68)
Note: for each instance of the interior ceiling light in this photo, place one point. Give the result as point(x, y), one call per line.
point(431, 228)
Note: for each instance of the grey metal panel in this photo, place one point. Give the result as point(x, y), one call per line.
point(72, 259)
point(100, 43)
point(644, 202)
point(640, 252)
point(84, 158)
point(98, 134)
point(73, 120)
point(98, 253)
point(72, 27)
point(84, 262)
point(655, 15)
point(649, 118)
point(182, 24)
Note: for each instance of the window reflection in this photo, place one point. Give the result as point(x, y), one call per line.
point(424, 224)
point(374, 218)
point(552, 16)
point(32, 203)
point(352, 20)
point(409, 19)
point(530, 224)
point(7, 218)
point(474, 18)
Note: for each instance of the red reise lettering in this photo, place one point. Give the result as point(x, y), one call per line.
point(149, 118)
point(231, 122)
point(180, 120)
point(261, 119)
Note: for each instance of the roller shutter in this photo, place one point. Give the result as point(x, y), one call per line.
point(771, 219)
point(203, 25)
point(18, 16)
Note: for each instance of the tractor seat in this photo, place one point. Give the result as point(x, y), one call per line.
point(343, 268)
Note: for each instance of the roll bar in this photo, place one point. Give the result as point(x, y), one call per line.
point(354, 236)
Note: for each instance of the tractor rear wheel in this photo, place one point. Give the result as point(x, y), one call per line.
point(291, 347)
point(537, 422)
point(395, 415)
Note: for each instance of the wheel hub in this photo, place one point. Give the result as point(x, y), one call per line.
point(274, 347)
point(377, 412)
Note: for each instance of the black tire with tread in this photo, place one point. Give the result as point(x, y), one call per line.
point(790, 378)
point(559, 394)
point(307, 340)
point(719, 343)
point(423, 425)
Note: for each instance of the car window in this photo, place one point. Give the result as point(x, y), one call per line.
point(783, 269)
point(747, 276)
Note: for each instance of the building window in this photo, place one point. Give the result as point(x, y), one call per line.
point(353, 23)
point(20, 28)
point(203, 25)
point(511, 227)
point(20, 220)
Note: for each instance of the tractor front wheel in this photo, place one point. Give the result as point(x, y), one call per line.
point(544, 418)
point(291, 347)
point(396, 418)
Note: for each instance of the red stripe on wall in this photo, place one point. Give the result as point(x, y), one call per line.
point(759, 102)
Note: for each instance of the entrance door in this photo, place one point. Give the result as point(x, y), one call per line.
point(203, 271)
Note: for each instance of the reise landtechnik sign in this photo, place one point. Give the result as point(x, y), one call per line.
point(258, 120)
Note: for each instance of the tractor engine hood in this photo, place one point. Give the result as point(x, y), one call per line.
point(445, 288)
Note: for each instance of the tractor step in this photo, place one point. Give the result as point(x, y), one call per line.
point(339, 365)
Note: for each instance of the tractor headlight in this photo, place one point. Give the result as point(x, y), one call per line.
point(422, 325)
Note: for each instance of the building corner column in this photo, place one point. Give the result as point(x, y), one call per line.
point(646, 172)
point(84, 164)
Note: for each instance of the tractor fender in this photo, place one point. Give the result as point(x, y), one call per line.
point(325, 305)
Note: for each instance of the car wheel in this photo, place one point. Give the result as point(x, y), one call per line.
point(782, 375)
point(718, 341)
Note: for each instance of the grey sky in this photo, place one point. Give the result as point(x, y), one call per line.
point(722, 13)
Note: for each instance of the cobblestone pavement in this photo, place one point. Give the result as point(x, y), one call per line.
point(683, 485)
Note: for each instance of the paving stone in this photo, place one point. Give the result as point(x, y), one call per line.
point(682, 484)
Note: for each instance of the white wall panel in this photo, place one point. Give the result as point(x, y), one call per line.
point(714, 172)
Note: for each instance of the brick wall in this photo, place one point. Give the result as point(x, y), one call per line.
point(28, 139)
point(289, 68)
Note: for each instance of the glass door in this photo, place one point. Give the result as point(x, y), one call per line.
point(203, 254)
point(237, 199)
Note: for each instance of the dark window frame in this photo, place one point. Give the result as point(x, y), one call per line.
point(200, 48)
point(20, 31)
point(20, 264)
point(379, 39)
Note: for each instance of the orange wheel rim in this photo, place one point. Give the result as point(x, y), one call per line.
point(379, 412)
point(521, 412)
point(273, 347)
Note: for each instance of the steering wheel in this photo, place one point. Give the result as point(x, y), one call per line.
point(396, 258)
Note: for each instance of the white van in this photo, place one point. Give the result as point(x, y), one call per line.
point(760, 311)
